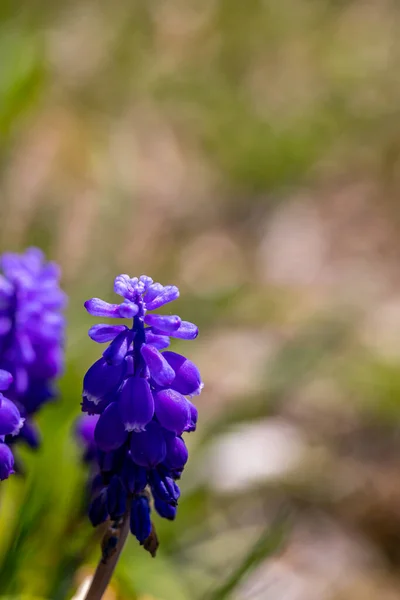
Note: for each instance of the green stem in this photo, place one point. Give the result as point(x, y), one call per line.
point(105, 568)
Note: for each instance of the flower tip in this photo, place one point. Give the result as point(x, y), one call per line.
point(198, 391)
point(137, 427)
point(18, 427)
point(90, 398)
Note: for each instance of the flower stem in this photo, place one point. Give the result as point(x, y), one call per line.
point(106, 566)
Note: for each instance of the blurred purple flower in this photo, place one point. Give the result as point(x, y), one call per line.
point(139, 395)
point(31, 332)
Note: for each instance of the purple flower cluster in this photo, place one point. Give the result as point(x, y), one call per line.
point(31, 334)
point(141, 397)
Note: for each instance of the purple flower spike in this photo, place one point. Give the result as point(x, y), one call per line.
point(31, 339)
point(110, 431)
point(139, 397)
point(136, 404)
point(148, 447)
point(172, 410)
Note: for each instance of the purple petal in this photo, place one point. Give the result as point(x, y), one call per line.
point(193, 417)
point(146, 281)
point(140, 523)
point(110, 432)
point(6, 380)
point(148, 447)
point(158, 341)
point(187, 376)
point(160, 370)
point(153, 291)
point(51, 272)
point(11, 264)
point(105, 333)
point(163, 323)
point(177, 453)
point(167, 511)
point(117, 350)
point(172, 410)
point(33, 259)
point(122, 286)
point(10, 418)
point(164, 487)
point(186, 331)
point(136, 404)
point(127, 309)
point(102, 379)
point(98, 509)
point(100, 308)
point(168, 294)
point(6, 462)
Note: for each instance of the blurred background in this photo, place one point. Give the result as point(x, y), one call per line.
point(249, 153)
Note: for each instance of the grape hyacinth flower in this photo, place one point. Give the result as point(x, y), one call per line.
point(140, 392)
point(10, 424)
point(31, 332)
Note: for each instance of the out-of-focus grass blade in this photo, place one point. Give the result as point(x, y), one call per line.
point(268, 543)
point(21, 74)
